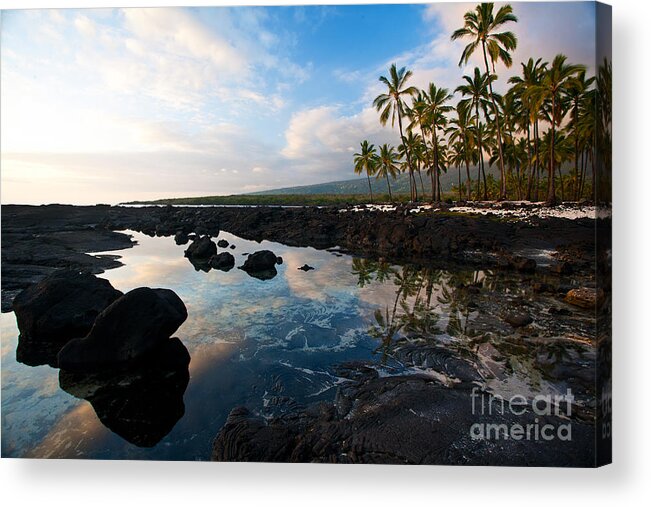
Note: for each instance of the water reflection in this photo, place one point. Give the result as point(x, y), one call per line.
point(453, 323)
point(276, 344)
point(141, 404)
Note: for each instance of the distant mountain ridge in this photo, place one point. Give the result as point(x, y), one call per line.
point(360, 185)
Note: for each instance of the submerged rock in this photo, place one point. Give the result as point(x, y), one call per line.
point(222, 243)
point(141, 404)
point(223, 261)
point(125, 332)
point(305, 267)
point(62, 306)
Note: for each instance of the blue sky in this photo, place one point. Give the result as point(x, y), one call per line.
point(119, 104)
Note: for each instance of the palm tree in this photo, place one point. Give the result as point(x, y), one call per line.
point(481, 26)
point(575, 94)
point(419, 119)
point(457, 157)
point(460, 132)
point(366, 162)
point(602, 187)
point(411, 145)
point(435, 98)
point(393, 106)
point(548, 94)
point(475, 89)
point(532, 73)
point(387, 165)
point(587, 130)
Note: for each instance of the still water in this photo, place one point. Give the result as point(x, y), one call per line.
point(274, 345)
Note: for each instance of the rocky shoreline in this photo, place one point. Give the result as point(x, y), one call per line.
point(36, 240)
point(420, 416)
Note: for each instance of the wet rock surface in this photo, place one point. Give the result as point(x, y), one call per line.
point(396, 420)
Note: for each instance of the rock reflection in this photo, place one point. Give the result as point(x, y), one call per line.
point(141, 404)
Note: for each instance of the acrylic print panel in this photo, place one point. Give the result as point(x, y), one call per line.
point(271, 234)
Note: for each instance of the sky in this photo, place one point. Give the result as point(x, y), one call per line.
point(113, 105)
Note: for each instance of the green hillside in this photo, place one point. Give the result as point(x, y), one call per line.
point(360, 185)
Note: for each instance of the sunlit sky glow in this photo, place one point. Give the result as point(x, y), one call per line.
point(122, 104)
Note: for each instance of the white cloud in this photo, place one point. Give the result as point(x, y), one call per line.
point(85, 26)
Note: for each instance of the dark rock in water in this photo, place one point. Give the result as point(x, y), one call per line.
point(562, 268)
point(403, 420)
point(279, 260)
point(232, 247)
point(261, 265)
point(34, 353)
point(141, 404)
point(125, 332)
point(524, 265)
point(62, 306)
point(181, 238)
point(584, 297)
point(305, 267)
point(261, 260)
point(222, 243)
point(202, 248)
point(518, 319)
point(223, 261)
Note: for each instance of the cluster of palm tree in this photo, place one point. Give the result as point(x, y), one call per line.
point(541, 134)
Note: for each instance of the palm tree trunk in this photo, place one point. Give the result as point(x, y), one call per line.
point(459, 174)
point(389, 186)
point(370, 190)
point(468, 182)
point(431, 177)
point(438, 186)
point(483, 173)
point(499, 127)
point(560, 178)
point(529, 164)
point(536, 139)
point(435, 169)
point(422, 187)
point(551, 187)
point(517, 165)
point(576, 151)
point(411, 170)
